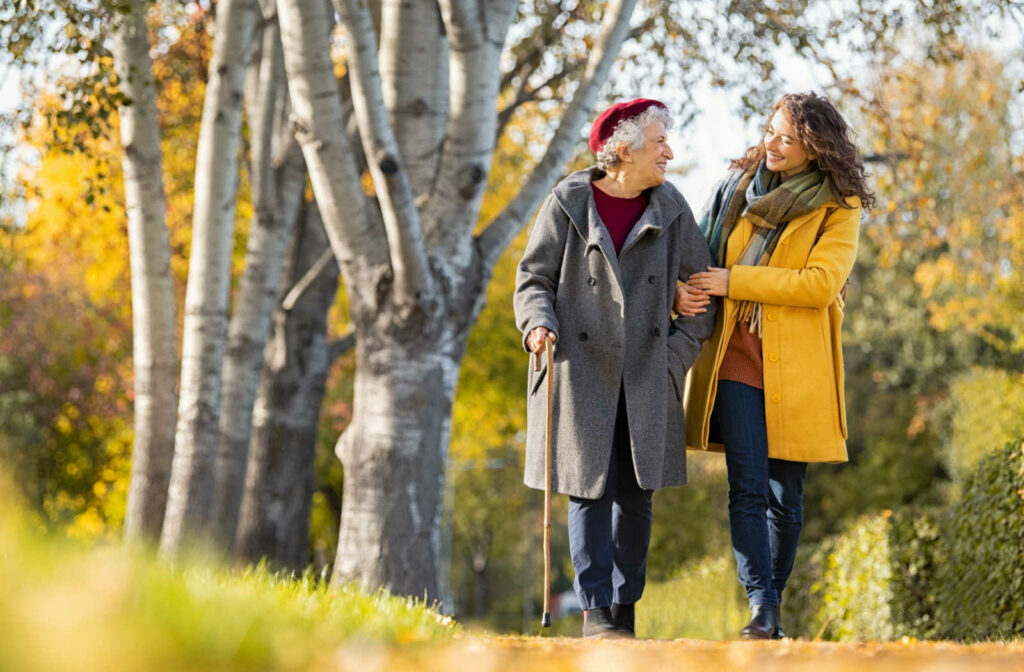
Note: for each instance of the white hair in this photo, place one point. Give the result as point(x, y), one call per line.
point(630, 132)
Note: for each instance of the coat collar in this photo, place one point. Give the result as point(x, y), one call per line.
point(576, 196)
point(742, 232)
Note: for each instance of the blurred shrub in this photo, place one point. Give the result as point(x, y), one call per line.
point(875, 581)
point(705, 601)
point(987, 412)
point(982, 583)
point(956, 573)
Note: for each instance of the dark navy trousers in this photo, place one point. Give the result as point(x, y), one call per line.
point(609, 536)
point(765, 495)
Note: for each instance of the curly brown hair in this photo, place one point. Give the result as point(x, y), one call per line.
point(824, 132)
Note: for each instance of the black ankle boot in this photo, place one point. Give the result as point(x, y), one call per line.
point(763, 623)
point(623, 617)
point(598, 624)
point(779, 634)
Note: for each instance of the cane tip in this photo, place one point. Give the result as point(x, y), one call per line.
point(545, 621)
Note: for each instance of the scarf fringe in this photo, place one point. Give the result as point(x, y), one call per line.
point(749, 312)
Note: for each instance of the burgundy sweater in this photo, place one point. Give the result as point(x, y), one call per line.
point(619, 214)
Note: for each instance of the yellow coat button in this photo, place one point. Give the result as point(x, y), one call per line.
point(773, 357)
point(784, 241)
point(770, 317)
point(776, 398)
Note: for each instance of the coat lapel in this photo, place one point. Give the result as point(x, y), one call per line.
point(650, 222)
point(576, 196)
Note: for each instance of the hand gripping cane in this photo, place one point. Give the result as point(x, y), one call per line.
point(546, 618)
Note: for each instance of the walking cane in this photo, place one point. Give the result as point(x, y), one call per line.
point(545, 621)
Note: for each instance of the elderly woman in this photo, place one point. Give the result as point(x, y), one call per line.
point(598, 278)
point(768, 387)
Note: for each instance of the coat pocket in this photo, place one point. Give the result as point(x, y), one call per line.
point(676, 379)
point(676, 387)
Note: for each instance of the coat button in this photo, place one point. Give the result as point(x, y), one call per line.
point(650, 279)
point(770, 317)
point(583, 336)
point(776, 398)
point(591, 281)
point(773, 357)
point(784, 241)
point(656, 331)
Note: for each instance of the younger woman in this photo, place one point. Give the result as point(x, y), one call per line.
point(768, 386)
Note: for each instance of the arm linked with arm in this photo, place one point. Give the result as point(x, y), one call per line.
point(687, 333)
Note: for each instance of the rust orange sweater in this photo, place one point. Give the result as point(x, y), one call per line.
point(742, 361)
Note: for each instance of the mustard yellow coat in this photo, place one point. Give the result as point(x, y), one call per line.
point(802, 315)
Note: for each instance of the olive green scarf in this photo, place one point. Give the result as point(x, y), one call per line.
point(769, 204)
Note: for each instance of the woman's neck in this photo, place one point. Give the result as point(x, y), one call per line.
point(618, 184)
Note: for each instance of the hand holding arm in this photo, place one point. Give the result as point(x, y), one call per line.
point(714, 281)
point(690, 301)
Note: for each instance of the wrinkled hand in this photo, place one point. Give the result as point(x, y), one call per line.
point(690, 301)
point(536, 338)
point(714, 281)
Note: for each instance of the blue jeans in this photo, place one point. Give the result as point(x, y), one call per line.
point(609, 536)
point(765, 495)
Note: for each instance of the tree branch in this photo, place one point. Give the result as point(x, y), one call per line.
point(476, 33)
point(415, 85)
point(319, 122)
point(401, 219)
point(503, 228)
point(526, 94)
point(307, 279)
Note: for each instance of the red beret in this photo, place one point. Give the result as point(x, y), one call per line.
point(606, 122)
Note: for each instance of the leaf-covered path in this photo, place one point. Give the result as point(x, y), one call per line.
point(524, 654)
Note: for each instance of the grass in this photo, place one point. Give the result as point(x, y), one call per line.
point(65, 607)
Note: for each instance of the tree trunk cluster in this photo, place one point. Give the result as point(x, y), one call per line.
point(228, 461)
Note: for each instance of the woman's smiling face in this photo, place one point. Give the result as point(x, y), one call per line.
point(648, 163)
point(784, 152)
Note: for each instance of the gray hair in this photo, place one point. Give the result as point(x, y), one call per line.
point(630, 132)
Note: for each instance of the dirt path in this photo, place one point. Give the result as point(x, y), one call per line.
point(501, 654)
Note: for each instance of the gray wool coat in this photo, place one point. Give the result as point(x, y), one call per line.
point(612, 316)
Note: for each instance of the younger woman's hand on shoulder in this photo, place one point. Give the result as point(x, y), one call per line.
point(714, 281)
point(690, 301)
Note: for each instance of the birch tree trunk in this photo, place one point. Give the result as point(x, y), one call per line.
point(154, 352)
point(274, 521)
point(415, 291)
point(206, 299)
point(278, 180)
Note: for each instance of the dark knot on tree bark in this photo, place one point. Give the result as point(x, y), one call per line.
point(388, 165)
point(475, 176)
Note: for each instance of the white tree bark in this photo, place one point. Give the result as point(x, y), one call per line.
point(408, 353)
point(476, 31)
point(274, 521)
point(278, 180)
point(154, 352)
point(206, 298)
point(401, 219)
point(414, 73)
